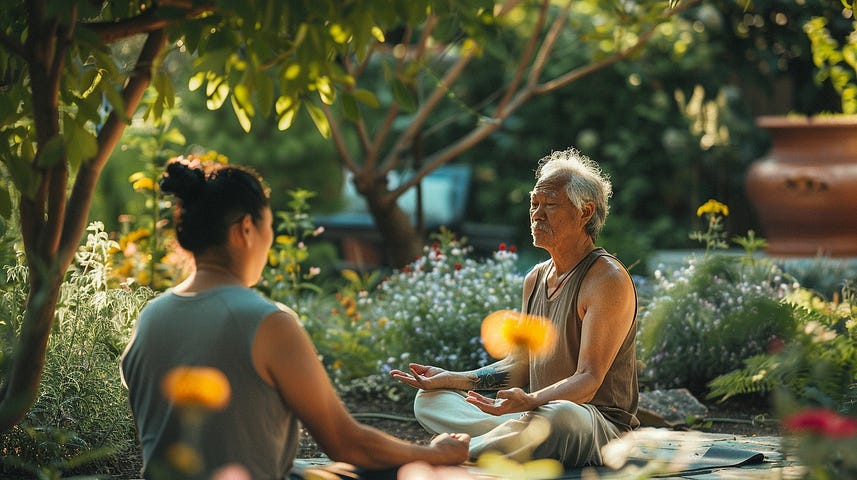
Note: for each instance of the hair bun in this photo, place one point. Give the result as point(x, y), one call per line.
point(183, 178)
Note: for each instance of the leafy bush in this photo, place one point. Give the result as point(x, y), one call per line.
point(81, 421)
point(818, 367)
point(706, 318)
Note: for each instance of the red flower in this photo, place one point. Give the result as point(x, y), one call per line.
point(502, 247)
point(776, 345)
point(458, 266)
point(435, 246)
point(821, 421)
point(513, 249)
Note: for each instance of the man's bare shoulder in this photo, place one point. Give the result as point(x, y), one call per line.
point(609, 272)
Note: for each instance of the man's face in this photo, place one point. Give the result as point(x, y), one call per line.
point(553, 218)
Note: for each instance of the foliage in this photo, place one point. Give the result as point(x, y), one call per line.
point(775, 67)
point(835, 63)
point(287, 276)
point(657, 150)
point(428, 312)
point(816, 367)
point(710, 315)
point(81, 421)
point(67, 98)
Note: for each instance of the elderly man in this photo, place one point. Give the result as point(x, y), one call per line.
point(568, 403)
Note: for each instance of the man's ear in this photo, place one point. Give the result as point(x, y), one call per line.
point(587, 211)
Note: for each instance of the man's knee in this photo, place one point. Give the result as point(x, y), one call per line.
point(566, 416)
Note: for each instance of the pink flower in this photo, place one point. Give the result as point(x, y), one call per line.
point(821, 421)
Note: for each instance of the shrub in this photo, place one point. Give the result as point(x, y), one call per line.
point(818, 367)
point(706, 318)
point(81, 422)
point(428, 312)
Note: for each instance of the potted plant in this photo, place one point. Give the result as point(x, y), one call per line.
point(805, 189)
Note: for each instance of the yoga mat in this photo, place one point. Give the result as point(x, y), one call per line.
point(716, 457)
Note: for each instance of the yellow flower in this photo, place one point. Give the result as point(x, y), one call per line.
point(506, 330)
point(184, 458)
point(713, 207)
point(544, 468)
point(205, 387)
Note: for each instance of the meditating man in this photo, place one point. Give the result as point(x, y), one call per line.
point(570, 401)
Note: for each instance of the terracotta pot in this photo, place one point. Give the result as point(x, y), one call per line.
point(805, 190)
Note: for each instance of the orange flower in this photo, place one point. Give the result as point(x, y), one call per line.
point(506, 330)
point(184, 458)
point(205, 387)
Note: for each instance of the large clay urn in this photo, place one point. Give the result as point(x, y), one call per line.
point(805, 190)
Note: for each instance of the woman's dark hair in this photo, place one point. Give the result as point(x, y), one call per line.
point(212, 197)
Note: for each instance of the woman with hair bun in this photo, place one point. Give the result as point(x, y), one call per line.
point(215, 322)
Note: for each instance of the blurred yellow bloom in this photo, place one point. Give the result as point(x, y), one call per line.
point(495, 463)
point(506, 330)
point(205, 387)
point(184, 458)
point(712, 207)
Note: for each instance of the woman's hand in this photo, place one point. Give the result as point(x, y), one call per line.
point(513, 400)
point(451, 448)
point(430, 378)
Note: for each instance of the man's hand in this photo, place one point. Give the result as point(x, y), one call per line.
point(513, 400)
point(430, 378)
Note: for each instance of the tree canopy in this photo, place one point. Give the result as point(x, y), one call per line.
point(75, 73)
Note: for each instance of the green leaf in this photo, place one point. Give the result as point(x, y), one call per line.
point(241, 94)
point(51, 152)
point(241, 114)
point(80, 143)
point(23, 175)
point(403, 96)
point(264, 94)
point(319, 119)
point(114, 98)
point(174, 135)
point(349, 108)
point(366, 97)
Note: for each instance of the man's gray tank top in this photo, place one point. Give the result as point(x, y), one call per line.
point(618, 395)
point(213, 328)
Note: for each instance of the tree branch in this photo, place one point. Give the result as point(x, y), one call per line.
point(146, 22)
point(425, 109)
point(338, 139)
point(547, 46)
point(84, 185)
point(526, 56)
point(642, 40)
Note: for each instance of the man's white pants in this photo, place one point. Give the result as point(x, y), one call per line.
point(566, 431)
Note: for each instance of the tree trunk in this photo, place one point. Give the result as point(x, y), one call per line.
point(22, 385)
point(49, 254)
point(401, 240)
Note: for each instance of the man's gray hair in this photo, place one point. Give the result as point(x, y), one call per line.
point(584, 182)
